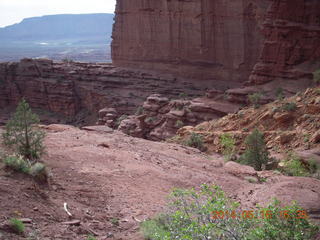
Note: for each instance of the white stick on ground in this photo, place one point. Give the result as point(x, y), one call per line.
point(65, 207)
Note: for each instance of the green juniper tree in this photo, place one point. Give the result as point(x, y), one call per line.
point(256, 154)
point(22, 134)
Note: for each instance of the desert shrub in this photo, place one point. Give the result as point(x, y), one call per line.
point(195, 140)
point(210, 214)
point(289, 107)
point(17, 226)
point(293, 166)
point(306, 137)
point(282, 223)
point(39, 172)
point(115, 221)
point(179, 124)
point(16, 163)
point(254, 99)
point(228, 144)
point(189, 216)
point(256, 154)
point(22, 134)
point(316, 76)
point(279, 93)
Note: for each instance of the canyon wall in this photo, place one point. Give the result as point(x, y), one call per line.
point(218, 40)
point(196, 38)
point(74, 90)
point(291, 49)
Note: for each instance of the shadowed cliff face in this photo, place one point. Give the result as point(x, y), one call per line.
point(198, 39)
point(217, 39)
point(291, 48)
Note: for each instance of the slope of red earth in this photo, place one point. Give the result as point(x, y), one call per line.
point(111, 181)
point(289, 124)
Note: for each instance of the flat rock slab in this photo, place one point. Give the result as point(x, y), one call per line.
point(104, 129)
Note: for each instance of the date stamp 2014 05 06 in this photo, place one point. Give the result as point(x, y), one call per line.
point(263, 214)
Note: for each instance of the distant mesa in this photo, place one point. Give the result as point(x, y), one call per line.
point(62, 26)
point(54, 34)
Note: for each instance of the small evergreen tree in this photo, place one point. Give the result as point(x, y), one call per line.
point(256, 154)
point(228, 144)
point(22, 134)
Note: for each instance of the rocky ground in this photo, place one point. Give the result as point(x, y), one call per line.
point(288, 124)
point(112, 181)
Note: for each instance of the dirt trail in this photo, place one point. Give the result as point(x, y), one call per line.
point(112, 181)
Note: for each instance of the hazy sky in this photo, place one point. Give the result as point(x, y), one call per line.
point(13, 11)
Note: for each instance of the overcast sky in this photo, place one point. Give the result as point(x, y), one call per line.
point(13, 11)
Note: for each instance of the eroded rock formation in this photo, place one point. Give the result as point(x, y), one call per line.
point(159, 118)
point(79, 90)
point(219, 40)
point(291, 49)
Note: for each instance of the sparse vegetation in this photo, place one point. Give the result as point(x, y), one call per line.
point(26, 139)
point(195, 140)
point(279, 93)
point(316, 76)
point(115, 221)
point(17, 163)
point(210, 214)
point(294, 166)
point(17, 226)
point(228, 144)
point(179, 124)
point(22, 134)
point(39, 172)
point(306, 137)
point(289, 107)
point(256, 154)
point(254, 99)
point(90, 237)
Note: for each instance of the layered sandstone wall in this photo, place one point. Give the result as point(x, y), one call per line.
point(72, 88)
point(218, 39)
point(291, 49)
point(207, 39)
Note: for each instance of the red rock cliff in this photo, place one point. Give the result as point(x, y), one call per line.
point(291, 48)
point(218, 39)
point(196, 38)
